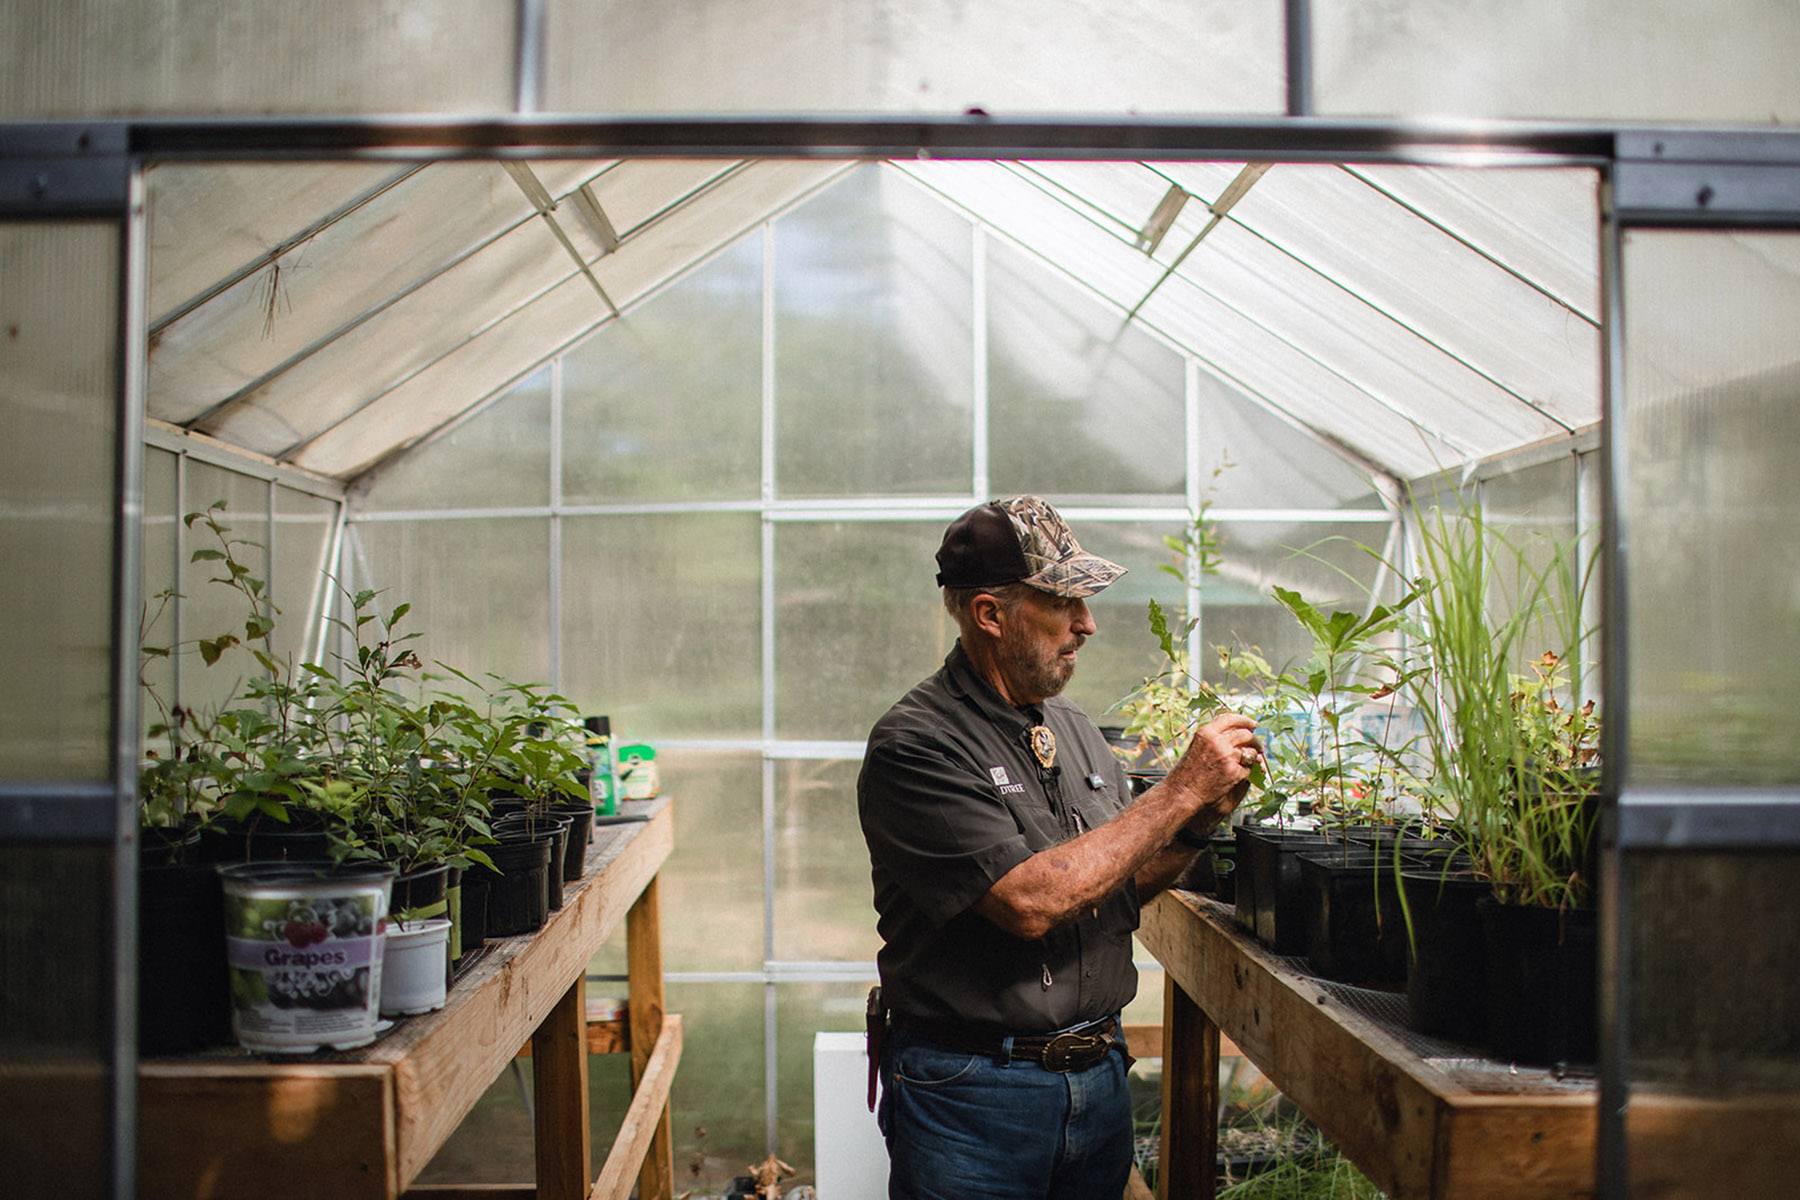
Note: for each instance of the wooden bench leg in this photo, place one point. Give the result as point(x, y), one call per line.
point(559, 1063)
point(1190, 1099)
point(643, 955)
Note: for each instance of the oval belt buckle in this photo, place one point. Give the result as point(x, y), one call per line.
point(1062, 1051)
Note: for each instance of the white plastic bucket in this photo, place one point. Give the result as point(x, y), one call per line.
point(303, 941)
point(414, 967)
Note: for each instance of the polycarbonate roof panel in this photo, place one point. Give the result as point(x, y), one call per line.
point(1276, 367)
point(419, 226)
point(705, 220)
point(1723, 60)
point(471, 296)
point(1544, 224)
point(1433, 284)
point(211, 223)
point(938, 56)
point(1362, 343)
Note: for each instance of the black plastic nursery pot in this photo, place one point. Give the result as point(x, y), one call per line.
point(453, 910)
point(1446, 985)
point(552, 828)
point(1541, 989)
point(1215, 869)
point(1268, 875)
point(1355, 930)
point(581, 832)
point(264, 839)
point(472, 908)
point(421, 893)
point(518, 899)
point(183, 992)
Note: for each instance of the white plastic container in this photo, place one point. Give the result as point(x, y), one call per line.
point(303, 943)
point(415, 967)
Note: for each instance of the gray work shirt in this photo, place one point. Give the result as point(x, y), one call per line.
point(952, 798)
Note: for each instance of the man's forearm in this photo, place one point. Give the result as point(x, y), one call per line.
point(1163, 869)
point(1054, 885)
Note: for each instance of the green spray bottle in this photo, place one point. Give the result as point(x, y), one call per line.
point(603, 780)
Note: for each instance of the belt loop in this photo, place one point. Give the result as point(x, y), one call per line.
point(1006, 1044)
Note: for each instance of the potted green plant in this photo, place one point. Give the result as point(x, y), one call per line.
point(1511, 760)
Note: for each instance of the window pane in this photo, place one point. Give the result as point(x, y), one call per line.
point(1081, 406)
point(498, 458)
point(1327, 562)
point(803, 1010)
point(59, 405)
point(209, 608)
point(1532, 514)
point(1712, 416)
point(480, 589)
point(873, 346)
point(1252, 458)
point(661, 622)
point(824, 906)
point(716, 1109)
point(712, 885)
point(858, 621)
point(303, 525)
point(666, 402)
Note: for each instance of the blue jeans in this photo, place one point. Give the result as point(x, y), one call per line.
point(969, 1127)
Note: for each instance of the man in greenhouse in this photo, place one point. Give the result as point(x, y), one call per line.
point(1009, 863)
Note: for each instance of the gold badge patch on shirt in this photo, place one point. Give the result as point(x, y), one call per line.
point(1043, 744)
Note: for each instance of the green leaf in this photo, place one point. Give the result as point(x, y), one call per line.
point(258, 627)
point(156, 651)
point(204, 555)
point(211, 649)
point(394, 617)
point(362, 598)
point(1159, 625)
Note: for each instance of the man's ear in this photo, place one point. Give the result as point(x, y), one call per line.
point(988, 614)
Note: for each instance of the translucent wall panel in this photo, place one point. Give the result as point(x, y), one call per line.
point(858, 621)
point(209, 608)
point(160, 571)
point(1251, 457)
point(666, 403)
point(59, 405)
point(1081, 406)
point(802, 1010)
point(499, 458)
point(1714, 1024)
point(824, 899)
point(1712, 416)
point(1727, 61)
point(480, 589)
point(303, 525)
point(1325, 562)
point(873, 344)
point(495, 1142)
point(173, 57)
point(1532, 515)
point(56, 936)
point(1118, 657)
point(712, 884)
point(716, 1109)
point(661, 622)
point(833, 56)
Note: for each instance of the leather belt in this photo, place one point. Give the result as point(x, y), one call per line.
point(1074, 1049)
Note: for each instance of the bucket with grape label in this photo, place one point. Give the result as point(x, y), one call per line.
point(304, 945)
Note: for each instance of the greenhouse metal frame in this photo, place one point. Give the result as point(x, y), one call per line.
point(1653, 179)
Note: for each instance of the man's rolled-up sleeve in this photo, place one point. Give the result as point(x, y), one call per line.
point(938, 829)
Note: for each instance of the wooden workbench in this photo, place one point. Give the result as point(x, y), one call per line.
point(1419, 1116)
point(362, 1125)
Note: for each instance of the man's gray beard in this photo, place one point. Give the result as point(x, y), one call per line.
point(1039, 678)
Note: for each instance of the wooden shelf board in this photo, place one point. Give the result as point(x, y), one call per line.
point(1411, 1124)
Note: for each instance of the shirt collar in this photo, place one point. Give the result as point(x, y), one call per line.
point(965, 681)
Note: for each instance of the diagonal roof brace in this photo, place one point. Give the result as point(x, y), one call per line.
point(1234, 191)
point(587, 207)
point(540, 198)
point(1157, 227)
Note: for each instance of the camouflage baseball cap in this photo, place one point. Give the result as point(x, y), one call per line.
point(1020, 540)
